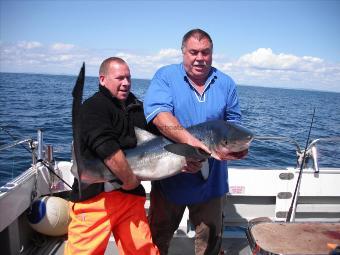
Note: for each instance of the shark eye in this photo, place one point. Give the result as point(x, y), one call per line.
point(225, 141)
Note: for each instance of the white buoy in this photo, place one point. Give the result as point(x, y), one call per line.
point(50, 216)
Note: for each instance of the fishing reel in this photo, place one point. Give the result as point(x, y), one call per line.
point(312, 153)
point(304, 157)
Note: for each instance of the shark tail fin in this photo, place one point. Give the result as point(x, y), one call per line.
point(77, 94)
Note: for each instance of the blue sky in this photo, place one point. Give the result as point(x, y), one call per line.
point(292, 44)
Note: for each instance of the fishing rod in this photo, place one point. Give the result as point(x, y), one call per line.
point(298, 182)
point(30, 150)
point(15, 139)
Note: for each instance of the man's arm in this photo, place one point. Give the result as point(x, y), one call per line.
point(169, 126)
point(119, 166)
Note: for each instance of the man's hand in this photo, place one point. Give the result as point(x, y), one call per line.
point(119, 166)
point(132, 183)
point(192, 166)
point(193, 141)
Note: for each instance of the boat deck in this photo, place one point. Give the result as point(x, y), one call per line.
point(253, 193)
point(179, 245)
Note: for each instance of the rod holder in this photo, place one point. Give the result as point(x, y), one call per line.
point(49, 157)
point(40, 145)
point(315, 158)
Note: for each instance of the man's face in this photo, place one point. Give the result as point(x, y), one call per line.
point(117, 80)
point(197, 58)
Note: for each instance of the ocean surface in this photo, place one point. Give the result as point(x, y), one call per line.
point(34, 101)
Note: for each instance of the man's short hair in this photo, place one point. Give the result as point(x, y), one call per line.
point(197, 33)
point(105, 64)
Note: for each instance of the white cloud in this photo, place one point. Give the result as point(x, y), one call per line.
point(144, 66)
point(262, 67)
point(35, 57)
point(169, 53)
point(62, 46)
point(265, 59)
point(29, 45)
point(265, 68)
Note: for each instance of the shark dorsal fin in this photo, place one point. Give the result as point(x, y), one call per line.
point(143, 136)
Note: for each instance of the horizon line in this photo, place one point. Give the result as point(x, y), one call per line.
point(238, 84)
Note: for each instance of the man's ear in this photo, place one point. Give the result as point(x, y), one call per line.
point(102, 80)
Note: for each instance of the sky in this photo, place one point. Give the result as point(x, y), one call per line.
point(287, 44)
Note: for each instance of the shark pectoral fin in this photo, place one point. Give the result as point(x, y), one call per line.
point(188, 151)
point(205, 171)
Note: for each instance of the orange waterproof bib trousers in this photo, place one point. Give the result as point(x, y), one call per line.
point(94, 219)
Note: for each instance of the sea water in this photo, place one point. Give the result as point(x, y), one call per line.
point(35, 101)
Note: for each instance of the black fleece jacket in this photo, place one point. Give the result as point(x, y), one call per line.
point(107, 126)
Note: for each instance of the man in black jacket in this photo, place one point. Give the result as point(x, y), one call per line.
point(107, 125)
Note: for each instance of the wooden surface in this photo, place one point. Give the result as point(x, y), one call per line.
point(295, 238)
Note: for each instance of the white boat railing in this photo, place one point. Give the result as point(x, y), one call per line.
point(252, 193)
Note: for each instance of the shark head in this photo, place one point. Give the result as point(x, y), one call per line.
point(227, 138)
